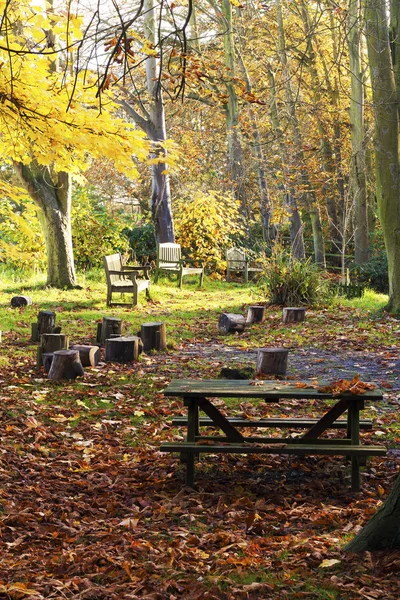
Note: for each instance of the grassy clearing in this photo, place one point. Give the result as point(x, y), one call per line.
point(89, 506)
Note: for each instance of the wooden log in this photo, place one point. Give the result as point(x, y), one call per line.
point(34, 332)
point(122, 349)
point(18, 301)
point(66, 364)
point(47, 359)
point(50, 342)
point(230, 322)
point(153, 336)
point(46, 322)
point(293, 315)
point(255, 314)
point(109, 327)
point(272, 361)
point(89, 355)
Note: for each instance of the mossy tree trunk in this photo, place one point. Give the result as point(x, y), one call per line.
point(384, 94)
point(52, 194)
point(382, 532)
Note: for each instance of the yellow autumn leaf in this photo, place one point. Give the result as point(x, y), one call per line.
point(329, 562)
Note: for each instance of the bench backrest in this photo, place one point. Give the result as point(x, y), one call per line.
point(235, 258)
point(167, 254)
point(113, 262)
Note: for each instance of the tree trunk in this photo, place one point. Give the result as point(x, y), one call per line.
point(52, 194)
point(236, 160)
point(152, 122)
point(268, 229)
point(358, 178)
point(382, 532)
point(384, 96)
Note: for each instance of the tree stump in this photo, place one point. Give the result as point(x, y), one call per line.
point(47, 359)
point(293, 315)
point(255, 314)
point(18, 301)
point(154, 336)
point(122, 349)
point(46, 323)
point(89, 355)
point(229, 322)
point(272, 361)
point(66, 364)
point(50, 342)
point(110, 327)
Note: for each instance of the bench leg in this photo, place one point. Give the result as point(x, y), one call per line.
point(354, 430)
point(192, 432)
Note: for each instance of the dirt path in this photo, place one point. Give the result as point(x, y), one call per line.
point(383, 369)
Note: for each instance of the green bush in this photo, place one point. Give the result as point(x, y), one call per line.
point(95, 232)
point(289, 282)
point(142, 242)
point(374, 273)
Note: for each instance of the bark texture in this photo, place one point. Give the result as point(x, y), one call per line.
point(384, 93)
point(382, 532)
point(52, 194)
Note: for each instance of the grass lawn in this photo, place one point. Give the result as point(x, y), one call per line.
point(89, 507)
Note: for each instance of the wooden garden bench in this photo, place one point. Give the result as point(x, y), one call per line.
point(125, 279)
point(237, 262)
point(196, 396)
point(169, 260)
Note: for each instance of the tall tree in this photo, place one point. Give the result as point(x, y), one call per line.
point(384, 66)
point(358, 137)
point(151, 119)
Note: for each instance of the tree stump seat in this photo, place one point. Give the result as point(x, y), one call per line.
point(231, 322)
point(272, 361)
point(66, 364)
point(122, 349)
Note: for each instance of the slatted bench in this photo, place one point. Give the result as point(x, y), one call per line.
point(196, 394)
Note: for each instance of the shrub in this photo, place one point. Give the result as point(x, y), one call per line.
point(205, 225)
point(95, 232)
point(21, 238)
point(374, 273)
point(289, 282)
point(142, 242)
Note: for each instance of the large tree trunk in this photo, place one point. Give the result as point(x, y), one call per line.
point(52, 194)
point(382, 532)
point(161, 194)
point(385, 139)
point(236, 160)
point(358, 178)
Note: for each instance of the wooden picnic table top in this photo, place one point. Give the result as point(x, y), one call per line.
point(272, 390)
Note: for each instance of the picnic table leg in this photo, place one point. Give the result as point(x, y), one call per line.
point(192, 432)
point(353, 426)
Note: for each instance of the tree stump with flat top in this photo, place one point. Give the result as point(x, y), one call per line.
point(272, 361)
point(153, 336)
point(66, 364)
point(122, 349)
point(110, 327)
point(89, 355)
point(293, 315)
point(255, 314)
point(50, 342)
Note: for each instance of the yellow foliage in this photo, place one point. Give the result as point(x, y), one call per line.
point(205, 224)
point(37, 119)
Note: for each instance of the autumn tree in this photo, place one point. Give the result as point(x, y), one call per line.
point(47, 143)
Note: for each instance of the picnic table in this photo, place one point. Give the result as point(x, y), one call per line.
point(198, 396)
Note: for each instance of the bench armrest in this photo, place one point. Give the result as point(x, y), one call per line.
point(127, 268)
